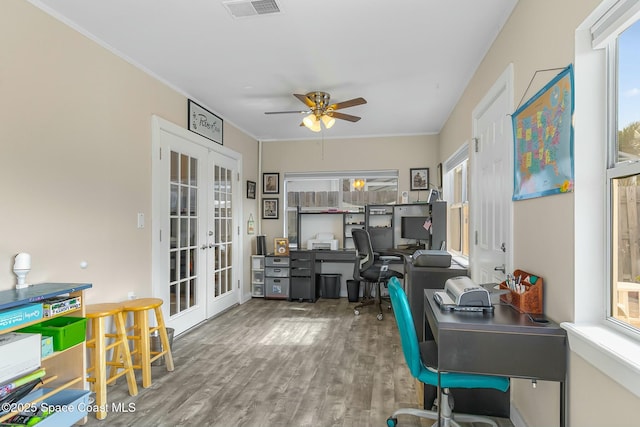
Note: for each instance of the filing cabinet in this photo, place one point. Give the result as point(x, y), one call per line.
point(303, 278)
point(276, 277)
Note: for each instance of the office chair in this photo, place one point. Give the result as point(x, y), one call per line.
point(371, 269)
point(422, 359)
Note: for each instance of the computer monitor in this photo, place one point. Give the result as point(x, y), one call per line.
point(416, 227)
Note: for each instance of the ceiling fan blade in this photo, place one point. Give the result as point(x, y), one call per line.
point(343, 116)
point(350, 103)
point(288, 112)
point(305, 100)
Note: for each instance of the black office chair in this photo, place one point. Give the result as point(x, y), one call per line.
point(372, 270)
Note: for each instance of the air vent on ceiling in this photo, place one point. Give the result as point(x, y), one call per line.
point(244, 8)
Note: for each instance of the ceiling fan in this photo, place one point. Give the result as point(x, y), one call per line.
point(320, 110)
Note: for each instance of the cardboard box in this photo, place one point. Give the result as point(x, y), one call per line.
point(20, 315)
point(59, 305)
point(20, 355)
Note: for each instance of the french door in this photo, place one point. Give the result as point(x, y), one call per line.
point(196, 252)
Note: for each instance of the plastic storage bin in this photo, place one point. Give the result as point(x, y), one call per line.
point(66, 331)
point(330, 285)
point(70, 406)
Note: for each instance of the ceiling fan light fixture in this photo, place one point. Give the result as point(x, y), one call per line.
point(328, 121)
point(312, 122)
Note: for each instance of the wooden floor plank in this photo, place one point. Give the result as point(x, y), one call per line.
point(278, 363)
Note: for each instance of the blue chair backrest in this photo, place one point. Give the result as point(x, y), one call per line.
point(408, 336)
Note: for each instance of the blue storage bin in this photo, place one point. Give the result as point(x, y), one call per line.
point(73, 406)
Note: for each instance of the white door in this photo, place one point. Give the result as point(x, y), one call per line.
point(222, 235)
point(492, 178)
point(195, 210)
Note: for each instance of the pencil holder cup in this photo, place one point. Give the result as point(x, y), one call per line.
point(527, 299)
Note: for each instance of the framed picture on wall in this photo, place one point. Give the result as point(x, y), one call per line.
point(269, 208)
point(204, 122)
point(419, 179)
point(271, 183)
point(251, 190)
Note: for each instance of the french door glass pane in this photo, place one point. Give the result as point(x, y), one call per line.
point(183, 220)
point(222, 223)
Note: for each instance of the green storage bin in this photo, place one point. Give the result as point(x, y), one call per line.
point(66, 331)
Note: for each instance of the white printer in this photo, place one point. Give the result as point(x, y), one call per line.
point(461, 294)
point(323, 241)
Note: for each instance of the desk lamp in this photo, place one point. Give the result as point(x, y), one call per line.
point(21, 268)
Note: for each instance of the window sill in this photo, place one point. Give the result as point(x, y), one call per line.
point(614, 353)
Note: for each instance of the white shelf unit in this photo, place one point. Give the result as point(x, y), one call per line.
point(257, 276)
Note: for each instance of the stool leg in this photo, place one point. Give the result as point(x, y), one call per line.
point(99, 365)
point(126, 355)
point(142, 321)
point(164, 338)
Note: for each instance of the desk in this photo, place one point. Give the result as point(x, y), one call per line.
point(417, 279)
point(506, 343)
point(303, 284)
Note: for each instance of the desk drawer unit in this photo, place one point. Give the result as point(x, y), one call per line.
point(303, 286)
point(276, 277)
point(276, 288)
point(272, 261)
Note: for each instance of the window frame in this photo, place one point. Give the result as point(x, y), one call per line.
point(593, 335)
point(460, 158)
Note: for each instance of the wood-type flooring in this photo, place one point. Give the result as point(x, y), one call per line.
point(277, 363)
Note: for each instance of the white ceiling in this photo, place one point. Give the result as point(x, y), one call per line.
point(410, 59)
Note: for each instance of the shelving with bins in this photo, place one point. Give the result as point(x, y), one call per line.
point(257, 276)
point(65, 370)
point(352, 220)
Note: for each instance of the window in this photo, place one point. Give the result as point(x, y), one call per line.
point(623, 174)
point(346, 191)
point(456, 194)
point(595, 334)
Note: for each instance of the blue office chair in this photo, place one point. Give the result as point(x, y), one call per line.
point(422, 357)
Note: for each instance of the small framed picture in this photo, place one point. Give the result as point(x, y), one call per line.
point(251, 190)
point(270, 183)
point(281, 246)
point(419, 179)
point(439, 175)
point(270, 208)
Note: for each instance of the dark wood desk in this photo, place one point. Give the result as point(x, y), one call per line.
point(417, 279)
point(505, 342)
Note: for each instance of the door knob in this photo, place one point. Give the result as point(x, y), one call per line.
point(499, 268)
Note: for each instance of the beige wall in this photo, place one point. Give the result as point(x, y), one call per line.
point(75, 163)
point(540, 35)
point(400, 153)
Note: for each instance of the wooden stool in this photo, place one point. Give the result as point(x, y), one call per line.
point(96, 314)
point(142, 354)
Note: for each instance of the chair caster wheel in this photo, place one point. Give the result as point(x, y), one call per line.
point(356, 312)
point(392, 422)
point(379, 316)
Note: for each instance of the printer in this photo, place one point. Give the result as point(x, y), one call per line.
point(323, 241)
point(462, 294)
